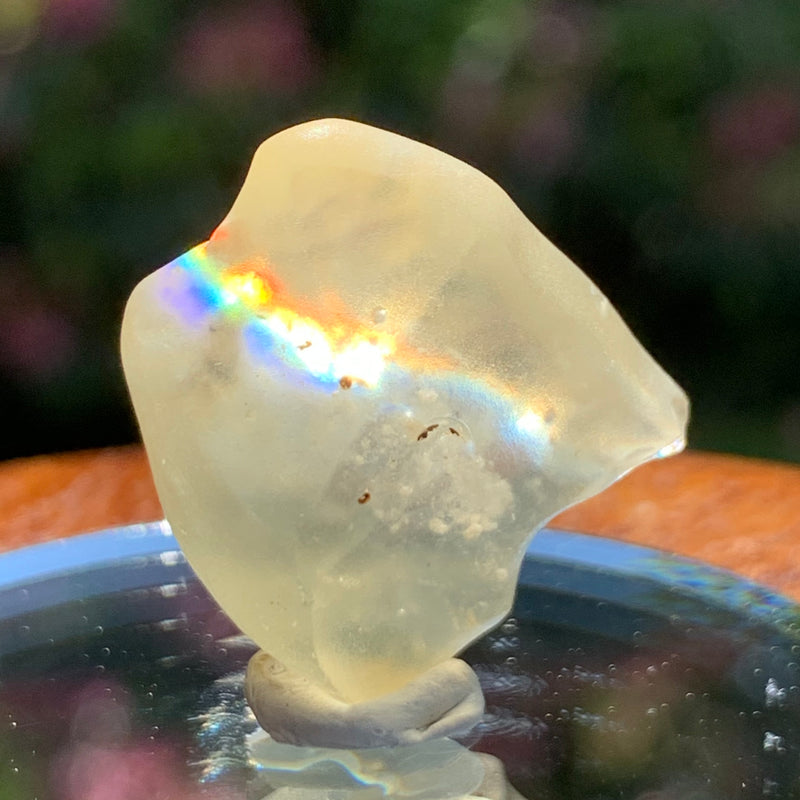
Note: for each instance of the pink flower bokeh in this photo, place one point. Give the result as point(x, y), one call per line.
point(263, 46)
point(549, 137)
point(755, 124)
point(79, 20)
point(37, 339)
point(106, 758)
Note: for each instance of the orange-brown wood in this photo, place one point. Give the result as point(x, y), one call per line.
point(737, 513)
point(732, 512)
point(48, 497)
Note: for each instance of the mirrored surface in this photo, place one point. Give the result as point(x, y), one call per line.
point(621, 673)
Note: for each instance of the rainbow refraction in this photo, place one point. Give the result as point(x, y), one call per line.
point(340, 354)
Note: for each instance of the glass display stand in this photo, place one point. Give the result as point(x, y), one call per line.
point(621, 671)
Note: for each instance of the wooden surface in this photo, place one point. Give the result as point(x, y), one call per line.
point(735, 513)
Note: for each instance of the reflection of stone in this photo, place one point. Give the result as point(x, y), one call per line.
point(364, 393)
point(433, 770)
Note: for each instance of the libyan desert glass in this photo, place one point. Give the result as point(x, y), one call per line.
point(364, 393)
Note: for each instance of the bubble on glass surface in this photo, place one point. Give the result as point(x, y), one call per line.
point(379, 316)
point(773, 743)
point(510, 626)
point(774, 695)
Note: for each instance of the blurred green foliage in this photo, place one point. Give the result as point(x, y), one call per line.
point(658, 144)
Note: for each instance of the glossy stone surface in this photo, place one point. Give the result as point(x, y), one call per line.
point(386, 379)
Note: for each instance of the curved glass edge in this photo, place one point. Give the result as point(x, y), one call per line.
point(603, 566)
point(85, 551)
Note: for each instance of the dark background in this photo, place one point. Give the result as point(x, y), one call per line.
point(657, 143)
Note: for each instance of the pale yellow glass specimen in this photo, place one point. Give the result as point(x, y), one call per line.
point(367, 390)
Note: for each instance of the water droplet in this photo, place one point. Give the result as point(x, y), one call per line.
point(379, 316)
point(510, 626)
point(652, 712)
point(12, 725)
point(504, 644)
point(511, 661)
point(773, 743)
point(105, 652)
point(98, 629)
point(774, 695)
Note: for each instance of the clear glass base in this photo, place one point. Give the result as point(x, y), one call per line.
point(621, 671)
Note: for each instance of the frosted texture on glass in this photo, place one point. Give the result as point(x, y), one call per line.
point(367, 390)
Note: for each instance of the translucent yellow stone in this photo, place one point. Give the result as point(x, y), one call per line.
point(367, 390)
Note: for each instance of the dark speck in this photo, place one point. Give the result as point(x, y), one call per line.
point(424, 434)
point(364, 498)
point(345, 382)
